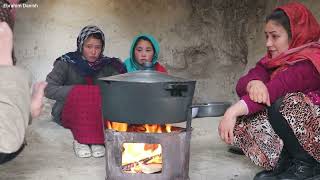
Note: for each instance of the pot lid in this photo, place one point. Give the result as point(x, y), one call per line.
point(144, 76)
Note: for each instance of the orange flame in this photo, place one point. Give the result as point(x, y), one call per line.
point(122, 127)
point(141, 157)
point(168, 127)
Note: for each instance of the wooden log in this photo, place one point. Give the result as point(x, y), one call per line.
point(128, 167)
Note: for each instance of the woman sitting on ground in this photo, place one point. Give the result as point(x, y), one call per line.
point(276, 122)
point(144, 48)
point(72, 83)
point(16, 106)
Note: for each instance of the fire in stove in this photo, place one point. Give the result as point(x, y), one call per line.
point(147, 151)
point(141, 157)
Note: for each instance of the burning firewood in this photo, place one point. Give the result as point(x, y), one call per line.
point(151, 147)
point(143, 163)
point(151, 168)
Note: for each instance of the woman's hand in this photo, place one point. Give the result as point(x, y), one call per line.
point(226, 125)
point(37, 97)
point(258, 92)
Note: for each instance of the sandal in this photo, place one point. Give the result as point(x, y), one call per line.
point(81, 150)
point(97, 150)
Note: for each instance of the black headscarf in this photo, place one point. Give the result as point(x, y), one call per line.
point(84, 67)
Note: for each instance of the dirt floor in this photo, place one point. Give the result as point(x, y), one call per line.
point(49, 156)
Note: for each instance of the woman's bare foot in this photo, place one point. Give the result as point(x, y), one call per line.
point(36, 98)
point(5, 44)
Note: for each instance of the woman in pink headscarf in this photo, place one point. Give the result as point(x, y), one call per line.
point(277, 121)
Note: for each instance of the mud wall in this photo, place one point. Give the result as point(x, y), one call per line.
point(211, 41)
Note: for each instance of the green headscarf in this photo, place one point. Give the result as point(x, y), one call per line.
point(131, 64)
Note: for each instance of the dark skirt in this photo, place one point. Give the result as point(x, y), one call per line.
point(5, 157)
point(255, 136)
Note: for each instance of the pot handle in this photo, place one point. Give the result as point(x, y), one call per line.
point(194, 106)
point(177, 90)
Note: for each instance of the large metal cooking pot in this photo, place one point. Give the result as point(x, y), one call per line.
point(146, 97)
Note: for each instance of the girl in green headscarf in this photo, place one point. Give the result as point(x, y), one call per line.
point(144, 48)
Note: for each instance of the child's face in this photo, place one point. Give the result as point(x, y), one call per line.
point(143, 52)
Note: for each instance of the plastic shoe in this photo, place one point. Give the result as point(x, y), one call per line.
point(81, 150)
point(301, 170)
point(97, 150)
point(282, 165)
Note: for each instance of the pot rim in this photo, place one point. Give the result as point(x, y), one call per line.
point(218, 103)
